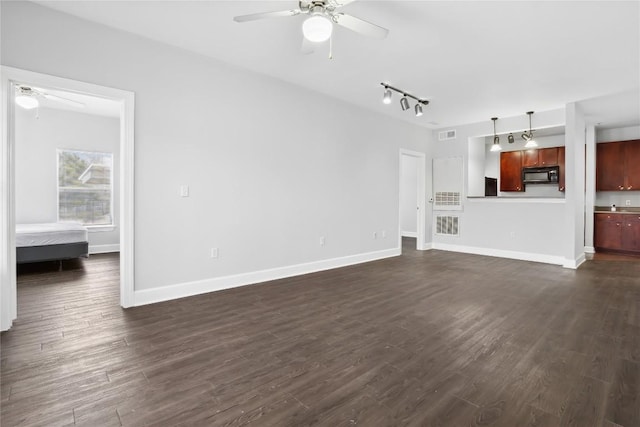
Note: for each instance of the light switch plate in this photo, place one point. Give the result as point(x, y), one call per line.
point(184, 191)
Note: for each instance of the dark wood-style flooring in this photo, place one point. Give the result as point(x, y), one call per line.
point(429, 338)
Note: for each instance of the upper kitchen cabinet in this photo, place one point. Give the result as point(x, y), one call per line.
point(540, 157)
point(511, 171)
point(618, 166)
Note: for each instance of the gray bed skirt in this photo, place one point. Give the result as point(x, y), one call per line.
point(59, 252)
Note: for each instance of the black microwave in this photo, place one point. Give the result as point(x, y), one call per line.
point(540, 175)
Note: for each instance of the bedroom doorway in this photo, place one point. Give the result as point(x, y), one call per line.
point(412, 214)
point(67, 131)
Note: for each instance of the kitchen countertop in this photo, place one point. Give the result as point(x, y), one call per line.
point(619, 210)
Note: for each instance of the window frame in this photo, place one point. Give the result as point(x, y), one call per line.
point(90, 227)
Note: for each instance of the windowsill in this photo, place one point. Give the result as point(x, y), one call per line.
point(100, 228)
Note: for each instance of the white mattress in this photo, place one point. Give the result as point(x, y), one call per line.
point(50, 234)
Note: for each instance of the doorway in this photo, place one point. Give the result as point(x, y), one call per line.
point(12, 80)
point(412, 215)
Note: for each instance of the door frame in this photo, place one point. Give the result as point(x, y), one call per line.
point(421, 161)
point(10, 77)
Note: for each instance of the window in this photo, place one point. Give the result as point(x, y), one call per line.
point(85, 187)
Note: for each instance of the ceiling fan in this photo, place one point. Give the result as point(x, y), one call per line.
point(318, 26)
point(27, 97)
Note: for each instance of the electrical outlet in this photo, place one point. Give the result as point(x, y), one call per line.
point(322, 241)
point(384, 234)
point(184, 191)
point(375, 234)
point(512, 234)
point(213, 253)
point(627, 202)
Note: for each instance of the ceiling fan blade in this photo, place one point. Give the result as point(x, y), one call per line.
point(307, 46)
point(62, 100)
point(265, 15)
point(338, 3)
point(359, 26)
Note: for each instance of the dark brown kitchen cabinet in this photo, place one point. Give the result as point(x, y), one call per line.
point(548, 156)
point(540, 157)
point(618, 166)
point(511, 171)
point(561, 169)
point(617, 232)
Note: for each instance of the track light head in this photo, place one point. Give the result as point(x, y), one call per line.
point(404, 103)
point(387, 96)
point(418, 109)
point(510, 138)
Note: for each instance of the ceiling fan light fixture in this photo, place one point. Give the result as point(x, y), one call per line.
point(404, 103)
point(27, 102)
point(317, 28)
point(387, 96)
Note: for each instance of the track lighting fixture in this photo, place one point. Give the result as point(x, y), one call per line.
point(496, 138)
point(418, 109)
point(387, 96)
point(531, 143)
point(511, 139)
point(404, 101)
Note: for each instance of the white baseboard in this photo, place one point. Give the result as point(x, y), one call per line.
point(427, 246)
point(575, 263)
point(409, 234)
point(181, 290)
point(590, 249)
point(103, 249)
point(523, 256)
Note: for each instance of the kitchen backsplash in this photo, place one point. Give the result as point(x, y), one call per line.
point(618, 198)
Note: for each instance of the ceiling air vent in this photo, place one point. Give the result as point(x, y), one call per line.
point(446, 135)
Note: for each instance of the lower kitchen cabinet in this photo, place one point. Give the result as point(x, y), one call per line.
point(617, 232)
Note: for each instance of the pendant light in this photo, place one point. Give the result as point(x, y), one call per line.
point(531, 143)
point(496, 138)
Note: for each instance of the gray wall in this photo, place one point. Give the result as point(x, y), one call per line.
point(264, 184)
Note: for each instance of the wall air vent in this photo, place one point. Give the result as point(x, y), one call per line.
point(446, 135)
point(447, 225)
point(447, 198)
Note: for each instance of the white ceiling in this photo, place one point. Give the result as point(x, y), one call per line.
point(473, 60)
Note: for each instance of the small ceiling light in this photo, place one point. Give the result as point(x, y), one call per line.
point(531, 143)
point(317, 28)
point(418, 109)
point(27, 102)
point(511, 139)
point(496, 138)
point(387, 96)
point(404, 103)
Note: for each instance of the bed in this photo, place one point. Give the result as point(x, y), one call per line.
point(51, 242)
